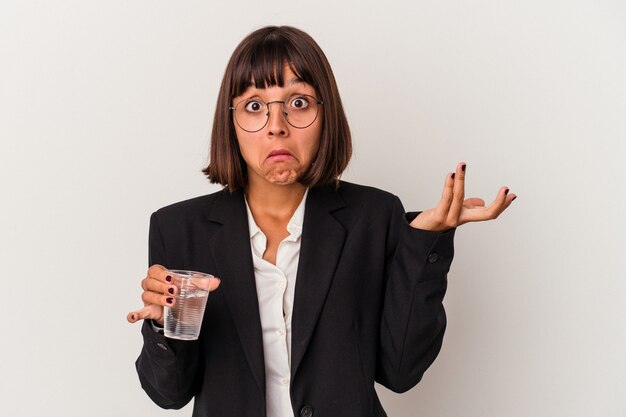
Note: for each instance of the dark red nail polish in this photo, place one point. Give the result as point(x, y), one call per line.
point(453, 175)
point(168, 278)
point(132, 317)
point(514, 198)
point(170, 290)
point(169, 300)
point(463, 167)
point(506, 192)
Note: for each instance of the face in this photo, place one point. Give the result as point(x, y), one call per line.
point(279, 153)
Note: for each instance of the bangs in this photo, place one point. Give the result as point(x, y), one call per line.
point(261, 64)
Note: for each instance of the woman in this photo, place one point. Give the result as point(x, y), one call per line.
point(326, 286)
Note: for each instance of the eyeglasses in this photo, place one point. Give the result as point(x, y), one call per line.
point(300, 110)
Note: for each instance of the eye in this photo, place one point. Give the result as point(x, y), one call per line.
point(253, 106)
point(299, 102)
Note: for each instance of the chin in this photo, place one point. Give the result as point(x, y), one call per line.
point(282, 177)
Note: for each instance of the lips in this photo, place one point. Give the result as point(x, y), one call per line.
point(279, 155)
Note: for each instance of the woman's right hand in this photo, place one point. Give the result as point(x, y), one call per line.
point(157, 292)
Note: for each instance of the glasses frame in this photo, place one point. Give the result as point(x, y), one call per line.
point(282, 102)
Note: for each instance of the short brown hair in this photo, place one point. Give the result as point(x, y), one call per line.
point(259, 59)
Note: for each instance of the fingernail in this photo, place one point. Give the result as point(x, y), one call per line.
point(170, 290)
point(514, 198)
point(506, 192)
point(453, 175)
point(168, 278)
point(132, 317)
point(169, 300)
point(463, 167)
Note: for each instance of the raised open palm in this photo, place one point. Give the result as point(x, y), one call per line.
point(454, 210)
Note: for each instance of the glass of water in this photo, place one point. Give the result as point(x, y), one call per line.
point(183, 320)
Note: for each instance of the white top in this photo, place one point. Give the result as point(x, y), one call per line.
point(275, 285)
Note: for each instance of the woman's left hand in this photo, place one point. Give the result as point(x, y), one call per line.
point(453, 211)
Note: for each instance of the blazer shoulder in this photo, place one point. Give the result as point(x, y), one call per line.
point(353, 193)
point(191, 207)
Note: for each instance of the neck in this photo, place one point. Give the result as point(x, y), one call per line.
point(279, 201)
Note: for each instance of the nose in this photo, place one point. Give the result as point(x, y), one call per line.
point(277, 122)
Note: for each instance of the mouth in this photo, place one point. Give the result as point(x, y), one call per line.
point(279, 155)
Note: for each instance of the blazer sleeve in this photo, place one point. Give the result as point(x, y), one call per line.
point(167, 368)
point(413, 318)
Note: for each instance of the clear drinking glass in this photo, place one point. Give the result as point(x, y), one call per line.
point(183, 320)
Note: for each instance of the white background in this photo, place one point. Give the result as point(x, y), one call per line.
point(105, 115)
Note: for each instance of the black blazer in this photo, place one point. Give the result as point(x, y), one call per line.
point(368, 306)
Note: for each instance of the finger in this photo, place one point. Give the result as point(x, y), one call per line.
point(149, 312)
point(149, 297)
point(446, 198)
point(498, 204)
point(486, 213)
point(159, 279)
point(159, 273)
point(154, 285)
point(508, 199)
point(135, 316)
point(458, 195)
point(210, 284)
point(214, 283)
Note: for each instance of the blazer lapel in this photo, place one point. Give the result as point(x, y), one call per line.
point(321, 246)
point(230, 248)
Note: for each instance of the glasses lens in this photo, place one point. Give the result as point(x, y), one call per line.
point(251, 114)
point(300, 111)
